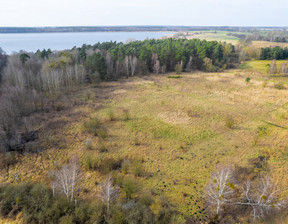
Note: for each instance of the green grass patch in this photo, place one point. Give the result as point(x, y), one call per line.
point(174, 77)
point(244, 66)
point(260, 65)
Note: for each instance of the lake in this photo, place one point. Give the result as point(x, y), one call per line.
point(60, 41)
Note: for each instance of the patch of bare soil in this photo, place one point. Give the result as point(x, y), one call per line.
point(174, 117)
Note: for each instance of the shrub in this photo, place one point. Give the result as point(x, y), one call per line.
point(178, 68)
point(37, 204)
point(125, 166)
point(111, 115)
point(101, 133)
point(137, 169)
point(89, 144)
point(102, 147)
point(92, 125)
point(130, 187)
point(90, 161)
point(7, 159)
point(35, 201)
point(230, 123)
point(109, 164)
point(247, 80)
point(126, 115)
point(279, 86)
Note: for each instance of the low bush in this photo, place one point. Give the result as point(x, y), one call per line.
point(111, 115)
point(89, 144)
point(126, 115)
point(90, 161)
point(130, 187)
point(7, 159)
point(137, 169)
point(230, 123)
point(92, 125)
point(279, 86)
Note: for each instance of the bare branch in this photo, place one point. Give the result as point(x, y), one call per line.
point(261, 199)
point(67, 179)
point(108, 192)
point(221, 189)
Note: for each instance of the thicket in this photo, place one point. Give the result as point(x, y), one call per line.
point(35, 203)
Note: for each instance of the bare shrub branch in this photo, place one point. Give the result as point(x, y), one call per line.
point(261, 198)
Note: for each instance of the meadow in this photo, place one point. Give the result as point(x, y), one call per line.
point(173, 129)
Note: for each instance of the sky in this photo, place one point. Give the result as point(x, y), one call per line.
point(38, 13)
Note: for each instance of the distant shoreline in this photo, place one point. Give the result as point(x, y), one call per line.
point(68, 29)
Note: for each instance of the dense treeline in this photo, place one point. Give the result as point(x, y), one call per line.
point(277, 53)
point(159, 56)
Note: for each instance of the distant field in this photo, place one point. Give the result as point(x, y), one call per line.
point(260, 44)
point(211, 36)
point(177, 128)
point(222, 36)
point(260, 65)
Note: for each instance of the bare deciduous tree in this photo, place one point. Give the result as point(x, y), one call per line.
point(284, 68)
point(189, 64)
point(67, 179)
point(155, 63)
point(108, 193)
point(261, 199)
point(220, 190)
point(110, 65)
point(163, 69)
point(133, 64)
point(273, 67)
point(130, 40)
point(127, 65)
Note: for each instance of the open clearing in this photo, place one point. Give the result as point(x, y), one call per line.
point(176, 127)
point(224, 37)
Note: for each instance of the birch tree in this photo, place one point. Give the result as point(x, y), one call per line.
point(261, 198)
point(108, 193)
point(133, 64)
point(127, 65)
point(67, 179)
point(220, 190)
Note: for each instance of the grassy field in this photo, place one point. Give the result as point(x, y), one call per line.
point(260, 65)
point(224, 37)
point(213, 36)
point(176, 127)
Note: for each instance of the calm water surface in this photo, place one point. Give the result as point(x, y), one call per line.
point(60, 41)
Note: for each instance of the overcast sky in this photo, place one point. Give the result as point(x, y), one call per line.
point(143, 12)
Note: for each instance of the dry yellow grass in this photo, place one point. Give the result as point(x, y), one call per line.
point(180, 129)
point(260, 44)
